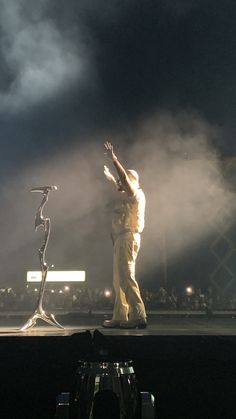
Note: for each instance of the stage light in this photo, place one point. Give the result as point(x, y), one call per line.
point(107, 293)
point(189, 290)
point(60, 292)
point(66, 288)
point(52, 291)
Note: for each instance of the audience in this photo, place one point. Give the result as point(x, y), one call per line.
point(88, 299)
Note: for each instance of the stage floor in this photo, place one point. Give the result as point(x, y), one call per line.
point(158, 325)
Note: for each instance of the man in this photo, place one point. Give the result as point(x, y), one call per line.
point(127, 225)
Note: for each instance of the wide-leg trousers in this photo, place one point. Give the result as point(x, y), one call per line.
point(128, 302)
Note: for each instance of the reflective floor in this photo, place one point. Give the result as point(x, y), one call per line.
point(158, 324)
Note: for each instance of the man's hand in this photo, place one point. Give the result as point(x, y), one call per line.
point(108, 174)
point(109, 151)
point(124, 183)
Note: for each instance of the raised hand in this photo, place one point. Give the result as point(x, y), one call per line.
point(108, 174)
point(109, 151)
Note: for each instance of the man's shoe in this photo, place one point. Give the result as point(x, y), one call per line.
point(134, 324)
point(112, 324)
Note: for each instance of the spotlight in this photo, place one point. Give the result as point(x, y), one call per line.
point(66, 288)
point(36, 289)
point(189, 290)
point(60, 292)
point(107, 293)
point(52, 291)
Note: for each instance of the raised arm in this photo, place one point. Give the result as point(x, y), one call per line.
point(109, 176)
point(126, 183)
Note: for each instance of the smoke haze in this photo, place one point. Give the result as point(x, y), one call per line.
point(155, 79)
point(181, 177)
point(41, 60)
point(183, 180)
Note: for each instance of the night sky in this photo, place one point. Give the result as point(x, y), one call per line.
point(74, 73)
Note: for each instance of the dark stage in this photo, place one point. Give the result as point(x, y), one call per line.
point(187, 361)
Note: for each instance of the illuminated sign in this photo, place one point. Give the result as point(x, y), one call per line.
point(57, 276)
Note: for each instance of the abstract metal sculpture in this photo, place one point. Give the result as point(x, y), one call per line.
point(39, 312)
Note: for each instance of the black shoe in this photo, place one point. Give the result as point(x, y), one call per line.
point(112, 324)
point(134, 324)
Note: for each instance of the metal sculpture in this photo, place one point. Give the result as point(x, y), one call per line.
point(39, 312)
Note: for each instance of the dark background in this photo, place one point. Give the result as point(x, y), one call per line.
point(158, 78)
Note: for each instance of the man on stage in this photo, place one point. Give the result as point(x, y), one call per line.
point(127, 226)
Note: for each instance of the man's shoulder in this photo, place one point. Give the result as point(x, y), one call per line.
point(140, 192)
point(139, 195)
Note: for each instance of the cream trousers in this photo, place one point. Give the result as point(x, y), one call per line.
point(128, 301)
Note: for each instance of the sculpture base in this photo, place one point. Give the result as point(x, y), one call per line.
point(40, 314)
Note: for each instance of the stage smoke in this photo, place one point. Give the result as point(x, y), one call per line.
point(40, 58)
point(180, 173)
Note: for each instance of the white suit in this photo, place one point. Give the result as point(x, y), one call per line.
point(127, 224)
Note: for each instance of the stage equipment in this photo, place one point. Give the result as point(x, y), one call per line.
point(105, 390)
point(147, 409)
point(39, 313)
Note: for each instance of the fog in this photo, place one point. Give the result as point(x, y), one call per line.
point(71, 77)
point(40, 60)
point(188, 195)
point(180, 173)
